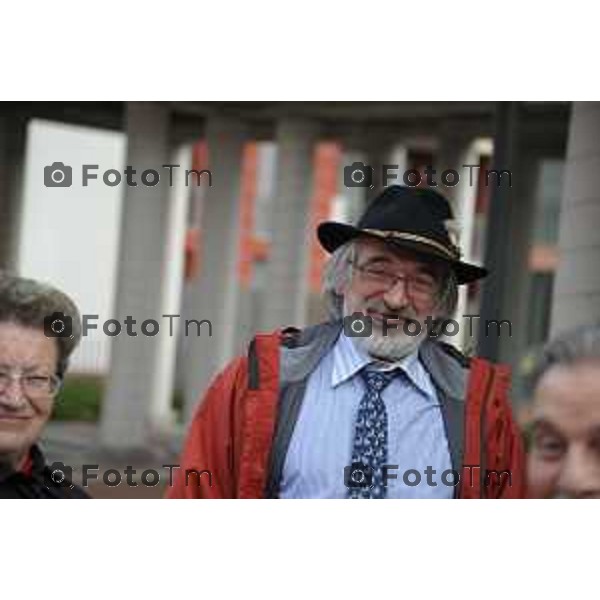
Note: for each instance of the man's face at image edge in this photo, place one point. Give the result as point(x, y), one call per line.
point(564, 460)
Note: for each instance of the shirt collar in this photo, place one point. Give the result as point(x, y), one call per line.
point(349, 359)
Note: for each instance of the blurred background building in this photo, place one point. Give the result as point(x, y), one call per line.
point(238, 247)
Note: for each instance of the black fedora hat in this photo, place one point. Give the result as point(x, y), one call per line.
point(418, 219)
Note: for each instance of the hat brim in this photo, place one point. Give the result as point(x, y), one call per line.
point(332, 235)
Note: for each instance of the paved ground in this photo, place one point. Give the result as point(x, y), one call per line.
point(76, 444)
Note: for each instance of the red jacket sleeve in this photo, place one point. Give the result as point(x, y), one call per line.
point(505, 454)
point(207, 464)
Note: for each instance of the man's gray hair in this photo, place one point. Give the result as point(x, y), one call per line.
point(338, 272)
point(568, 348)
point(27, 302)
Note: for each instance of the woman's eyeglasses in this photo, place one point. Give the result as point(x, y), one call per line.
point(35, 386)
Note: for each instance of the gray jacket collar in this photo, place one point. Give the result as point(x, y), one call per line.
point(447, 373)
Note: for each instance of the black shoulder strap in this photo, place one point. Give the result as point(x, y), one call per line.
point(455, 353)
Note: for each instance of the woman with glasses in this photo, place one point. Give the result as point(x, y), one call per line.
point(39, 329)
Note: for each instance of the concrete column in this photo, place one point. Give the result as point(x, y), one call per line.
point(136, 411)
point(214, 295)
point(380, 152)
point(520, 214)
point(286, 302)
point(13, 133)
point(576, 298)
point(456, 151)
point(172, 292)
point(451, 154)
point(353, 200)
point(398, 158)
point(509, 232)
point(499, 229)
point(260, 177)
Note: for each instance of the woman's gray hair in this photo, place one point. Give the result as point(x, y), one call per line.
point(30, 303)
point(338, 273)
point(568, 348)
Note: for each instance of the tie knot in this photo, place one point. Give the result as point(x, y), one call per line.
point(377, 380)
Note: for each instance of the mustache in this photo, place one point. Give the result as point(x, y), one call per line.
point(384, 311)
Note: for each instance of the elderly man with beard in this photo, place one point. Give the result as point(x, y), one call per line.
point(564, 457)
point(368, 404)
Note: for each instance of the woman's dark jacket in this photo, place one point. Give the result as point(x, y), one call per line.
point(35, 481)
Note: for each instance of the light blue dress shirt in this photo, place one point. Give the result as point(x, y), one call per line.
point(321, 444)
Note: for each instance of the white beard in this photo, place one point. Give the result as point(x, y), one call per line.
point(391, 347)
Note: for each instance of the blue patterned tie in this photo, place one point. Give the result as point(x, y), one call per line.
point(371, 434)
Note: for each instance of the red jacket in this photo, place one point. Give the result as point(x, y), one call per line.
point(240, 433)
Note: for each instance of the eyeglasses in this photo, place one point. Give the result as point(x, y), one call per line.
point(36, 387)
point(419, 287)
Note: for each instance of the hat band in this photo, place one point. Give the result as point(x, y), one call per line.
point(453, 254)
